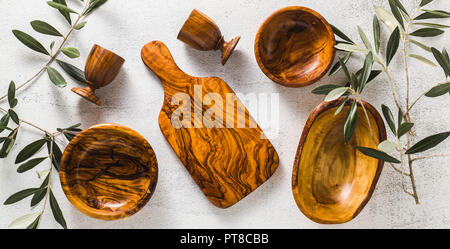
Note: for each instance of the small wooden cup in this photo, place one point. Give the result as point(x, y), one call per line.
point(102, 66)
point(295, 46)
point(202, 33)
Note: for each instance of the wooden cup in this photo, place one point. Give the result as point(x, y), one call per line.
point(202, 33)
point(102, 66)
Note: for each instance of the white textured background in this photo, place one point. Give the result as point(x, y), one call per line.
point(135, 98)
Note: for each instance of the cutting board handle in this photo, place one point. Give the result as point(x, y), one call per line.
point(158, 58)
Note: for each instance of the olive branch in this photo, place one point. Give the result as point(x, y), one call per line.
point(48, 139)
point(400, 22)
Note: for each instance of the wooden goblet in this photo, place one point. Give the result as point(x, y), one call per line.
point(202, 33)
point(102, 66)
point(295, 46)
point(332, 181)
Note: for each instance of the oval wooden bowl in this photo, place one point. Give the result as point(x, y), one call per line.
point(295, 46)
point(332, 181)
point(109, 171)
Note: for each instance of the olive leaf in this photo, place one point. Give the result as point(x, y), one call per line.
point(337, 67)
point(433, 14)
point(442, 60)
point(71, 52)
point(400, 6)
point(29, 150)
point(45, 28)
point(57, 153)
point(56, 77)
point(65, 13)
point(399, 118)
point(432, 25)
point(14, 116)
point(420, 45)
point(427, 32)
point(352, 48)
point(30, 164)
point(35, 223)
point(387, 18)
point(61, 7)
point(364, 38)
point(366, 71)
point(57, 213)
point(376, 34)
point(425, 2)
point(73, 71)
point(404, 128)
point(428, 143)
point(325, 89)
point(24, 221)
point(389, 118)
point(336, 93)
point(12, 101)
point(80, 25)
point(94, 5)
point(341, 107)
point(39, 196)
point(377, 154)
point(393, 43)
point(20, 196)
point(396, 12)
point(422, 59)
point(340, 34)
point(439, 90)
point(4, 122)
point(350, 122)
point(387, 146)
point(30, 42)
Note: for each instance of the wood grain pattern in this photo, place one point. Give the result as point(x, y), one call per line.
point(333, 181)
point(226, 163)
point(109, 171)
point(202, 33)
point(295, 46)
point(102, 66)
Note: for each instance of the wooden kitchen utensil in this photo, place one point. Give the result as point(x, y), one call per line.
point(332, 181)
point(102, 66)
point(202, 33)
point(109, 171)
point(295, 46)
point(226, 163)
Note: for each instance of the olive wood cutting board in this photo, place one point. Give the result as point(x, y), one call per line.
point(226, 163)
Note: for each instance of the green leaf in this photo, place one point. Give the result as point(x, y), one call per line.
point(438, 90)
point(39, 196)
point(45, 28)
point(396, 12)
point(337, 67)
point(61, 7)
point(325, 89)
point(12, 101)
point(24, 221)
point(376, 33)
point(399, 118)
point(350, 122)
point(94, 5)
point(425, 2)
point(352, 48)
point(71, 52)
point(336, 93)
point(387, 18)
point(340, 34)
point(442, 60)
point(432, 25)
point(30, 42)
point(404, 128)
point(392, 47)
point(433, 14)
point(389, 118)
point(30, 164)
point(427, 32)
point(366, 71)
point(80, 25)
point(14, 116)
point(73, 71)
point(57, 211)
point(420, 45)
point(20, 196)
point(422, 59)
point(387, 146)
point(377, 154)
point(373, 75)
point(57, 154)
point(4, 122)
point(341, 107)
point(35, 223)
point(364, 38)
point(400, 6)
point(428, 143)
point(65, 13)
point(29, 150)
point(56, 77)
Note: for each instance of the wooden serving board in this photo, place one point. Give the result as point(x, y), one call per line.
point(226, 163)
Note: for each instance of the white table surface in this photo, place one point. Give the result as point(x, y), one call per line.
point(135, 98)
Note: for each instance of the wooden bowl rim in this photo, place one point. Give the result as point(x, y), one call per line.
point(104, 215)
point(108, 51)
point(322, 107)
point(274, 77)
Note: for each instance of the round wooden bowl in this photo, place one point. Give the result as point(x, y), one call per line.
point(295, 46)
point(332, 181)
point(108, 171)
